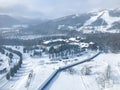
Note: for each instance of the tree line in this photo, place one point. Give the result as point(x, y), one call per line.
point(16, 67)
point(63, 50)
point(105, 41)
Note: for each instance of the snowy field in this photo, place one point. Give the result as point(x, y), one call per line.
point(102, 73)
point(19, 81)
point(41, 68)
point(100, 76)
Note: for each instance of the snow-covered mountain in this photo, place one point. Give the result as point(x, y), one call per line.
point(92, 22)
point(7, 20)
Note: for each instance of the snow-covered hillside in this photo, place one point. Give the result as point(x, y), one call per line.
point(89, 22)
point(39, 62)
point(93, 22)
point(103, 73)
point(40, 67)
point(101, 22)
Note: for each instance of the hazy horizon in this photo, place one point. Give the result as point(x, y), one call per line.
point(52, 8)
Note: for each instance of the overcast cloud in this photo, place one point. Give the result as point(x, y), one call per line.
point(54, 8)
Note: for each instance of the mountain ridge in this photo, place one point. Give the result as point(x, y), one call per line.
point(102, 21)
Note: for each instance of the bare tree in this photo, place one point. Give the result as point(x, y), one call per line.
point(86, 70)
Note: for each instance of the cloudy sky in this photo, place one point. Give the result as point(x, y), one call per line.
point(54, 8)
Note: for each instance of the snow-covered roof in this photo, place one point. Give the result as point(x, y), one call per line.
point(47, 42)
point(38, 50)
point(74, 43)
point(72, 39)
point(84, 45)
point(91, 43)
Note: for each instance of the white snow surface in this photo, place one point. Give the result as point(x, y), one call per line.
point(42, 68)
point(66, 81)
point(77, 81)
